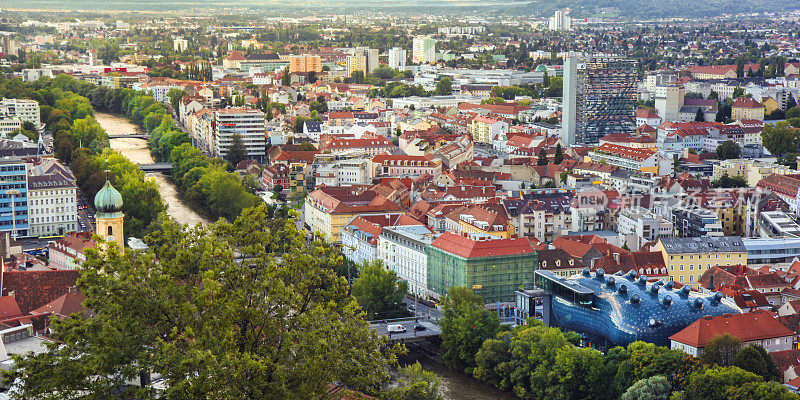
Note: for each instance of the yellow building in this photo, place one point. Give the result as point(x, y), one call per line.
point(751, 170)
point(770, 105)
point(109, 217)
point(329, 209)
point(747, 108)
point(688, 258)
point(480, 220)
point(305, 63)
point(356, 63)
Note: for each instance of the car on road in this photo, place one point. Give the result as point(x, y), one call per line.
point(395, 328)
point(420, 328)
point(412, 307)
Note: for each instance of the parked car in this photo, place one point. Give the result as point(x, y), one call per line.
point(395, 328)
point(420, 328)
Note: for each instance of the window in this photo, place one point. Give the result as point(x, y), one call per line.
point(110, 231)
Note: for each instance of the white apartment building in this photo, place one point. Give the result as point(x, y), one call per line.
point(249, 124)
point(669, 100)
point(397, 57)
point(52, 199)
point(560, 21)
point(9, 124)
point(180, 44)
point(24, 109)
point(344, 173)
point(643, 225)
point(424, 50)
point(402, 250)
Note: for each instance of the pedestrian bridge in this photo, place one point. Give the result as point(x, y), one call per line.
point(432, 330)
point(145, 137)
point(164, 167)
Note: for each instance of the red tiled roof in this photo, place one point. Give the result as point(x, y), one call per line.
point(9, 308)
point(34, 289)
point(63, 306)
point(786, 359)
point(469, 247)
point(646, 113)
point(756, 325)
point(236, 55)
point(626, 152)
point(786, 185)
point(746, 102)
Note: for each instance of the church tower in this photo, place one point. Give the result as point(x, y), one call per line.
point(109, 217)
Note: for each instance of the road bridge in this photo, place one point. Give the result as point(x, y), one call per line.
point(432, 330)
point(145, 137)
point(164, 167)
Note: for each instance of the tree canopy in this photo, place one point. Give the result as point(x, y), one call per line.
point(234, 310)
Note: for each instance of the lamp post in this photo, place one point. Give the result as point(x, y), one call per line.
point(13, 193)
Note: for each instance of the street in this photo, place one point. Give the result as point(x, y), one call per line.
point(430, 328)
point(423, 310)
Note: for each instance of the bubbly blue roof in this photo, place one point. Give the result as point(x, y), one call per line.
point(627, 308)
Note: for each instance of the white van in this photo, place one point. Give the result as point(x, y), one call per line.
point(395, 328)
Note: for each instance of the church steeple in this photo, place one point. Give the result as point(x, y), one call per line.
point(109, 218)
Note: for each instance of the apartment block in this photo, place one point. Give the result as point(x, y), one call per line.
point(249, 124)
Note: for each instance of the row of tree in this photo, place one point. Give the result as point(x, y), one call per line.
point(206, 181)
point(535, 362)
point(82, 144)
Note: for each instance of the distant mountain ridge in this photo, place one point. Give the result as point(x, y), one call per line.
point(665, 8)
point(582, 8)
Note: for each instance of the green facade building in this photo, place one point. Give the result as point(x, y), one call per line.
point(494, 268)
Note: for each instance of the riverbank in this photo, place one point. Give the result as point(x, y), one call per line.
point(138, 152)
point(456, 385)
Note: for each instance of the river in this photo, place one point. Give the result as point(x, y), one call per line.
point(455, 385)
point(136, 150)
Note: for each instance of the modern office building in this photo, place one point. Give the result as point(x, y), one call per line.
point(494, 268)
point(249, 124)
point(778, 253)
point(668, 101)
point(616, 310)
point(599, 99)
point(23, 109)
point(424, 50)
point(397, 57)
point(693, 221)
point(643, 225)
point(14, 186)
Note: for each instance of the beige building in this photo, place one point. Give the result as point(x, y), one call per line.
point(305, 63)
point(329, 209)
point(747, 108)
point(751, 170)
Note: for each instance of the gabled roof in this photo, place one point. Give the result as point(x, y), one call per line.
point(470, 247)
point(64, 306)
point(33, 289)
point(746, 102)
point(748, 327)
